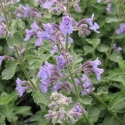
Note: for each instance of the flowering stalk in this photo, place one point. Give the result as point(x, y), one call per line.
point(67, 35)
point(99, 100)
point(111, 46)
point(23, 68)
point(74, 84)
point(16, 50)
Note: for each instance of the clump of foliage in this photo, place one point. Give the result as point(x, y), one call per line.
point(62, 62)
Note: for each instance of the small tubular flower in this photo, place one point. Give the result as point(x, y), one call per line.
point(66, 25)
point(20, 88)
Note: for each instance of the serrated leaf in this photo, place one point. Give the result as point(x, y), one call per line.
point(24, 110)
point(88, 49)
point(9, 113)
point(121, 62)
point(113, 56)
point(16, 40)
point(4, 98)
point(41, 98)
point(93, 42)
point(11, 8)
point(102, 48)
point(86, 100)
point(2, 119)
point(93, 114)
point(110, 121)
point(116, 99)
point(10, 70)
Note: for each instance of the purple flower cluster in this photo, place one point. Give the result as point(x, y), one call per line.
point(93, 25)
point(49, 76)
point(87, 86)
point(66, 25)
point(3, 29)
point(94, 64)
point(117, 49)
point(121, 29)
point(58, 112)
point(24, 11)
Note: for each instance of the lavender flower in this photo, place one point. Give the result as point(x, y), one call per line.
point(95, 68)
point(117, 49)
point(56, 87)
point(55, 49)
point(44, 86)
point(121, 29)
point(61, 62)
point(66, 25)
point(29, 33)
point(94, 26)
point(44, 35)
point(98, 1)
point(48, 5)
point(43, 74)
point(20, 88)
point(1, 59)
point(87, 85)
point(58, 112)
point(98, 72)
point(90, 20)
point(109, 8)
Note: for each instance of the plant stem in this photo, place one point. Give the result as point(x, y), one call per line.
point(113, 40)
point(23, 68)
point(104, 104)
point(110, 49)
point(87, 119)
point(74, 84)
point(66, 45)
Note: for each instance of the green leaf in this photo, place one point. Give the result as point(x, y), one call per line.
point(16, 40)
point(4, 98)
point(114, 73)
point(41, 98)
point(114, 9)
point(102, 90)
point(21, 24)
point(11, 8)
point(113, 56)
point(110, 121)
point(2, 119)
point(111, 19)
point(87, 100)
point(24, 110)
point(88, 49)
point(10, 70)
point(39, 118)
point(93, 114)
point(122, 78)
point(121, 62)
point(103, 48)
point(9, 113)
point(93, 42)
point(116, 99)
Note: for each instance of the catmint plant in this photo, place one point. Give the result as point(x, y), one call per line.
point(62, 84)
